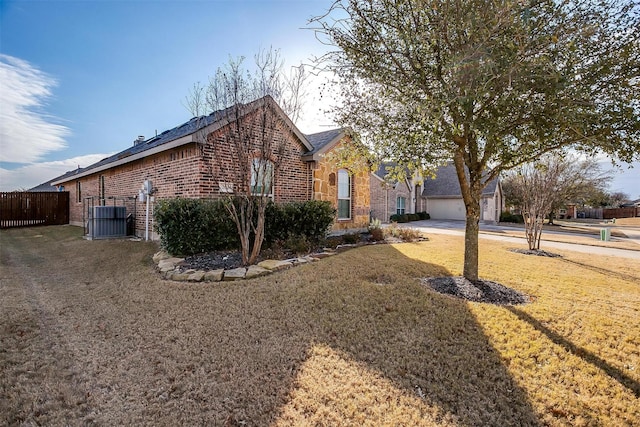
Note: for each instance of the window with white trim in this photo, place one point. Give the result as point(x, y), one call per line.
point(344, 194)
point(400, 205)
point(262, 177)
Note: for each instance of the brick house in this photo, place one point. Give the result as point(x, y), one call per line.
point(439, 196)
point(389, 197)
point(180, 162)
point(444, 197)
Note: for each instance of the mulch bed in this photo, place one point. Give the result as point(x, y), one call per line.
point(479, 291)
point(536, 252)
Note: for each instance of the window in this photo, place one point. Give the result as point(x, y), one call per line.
point(400, 205)
point(101, 190)
point(344, 194)
point(261, 177)
point(78, 192)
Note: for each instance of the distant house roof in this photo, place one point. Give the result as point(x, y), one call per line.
point(179, 135)
point(383, 170)
point(446, 184)
point(45, 186)
point(50, 186)
point(322, 142)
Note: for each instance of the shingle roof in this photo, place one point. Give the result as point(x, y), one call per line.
point(446, 184)
point(319, 140)
point(185, 129)
point(48, 186)
point(382, 170)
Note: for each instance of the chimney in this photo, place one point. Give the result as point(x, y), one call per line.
point(139, 140)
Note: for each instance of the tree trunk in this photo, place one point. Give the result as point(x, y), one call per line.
point(471, 192)
point(472, 229)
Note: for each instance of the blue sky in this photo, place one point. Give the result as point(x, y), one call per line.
point(87, 77)
point(82, 79)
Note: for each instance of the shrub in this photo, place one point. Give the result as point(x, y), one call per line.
point(190, 226)
point(509, 217)
point(375, 229)
point(413, 217)
point(424, 215)
point(297, 244)
point(399, 218)
point(408, 234)
point(377, 234)
point(351, 238)
point(310, 220)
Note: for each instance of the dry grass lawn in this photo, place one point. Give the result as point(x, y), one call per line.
point(90, 334)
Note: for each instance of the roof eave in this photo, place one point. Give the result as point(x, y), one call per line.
point(317, 155)
point(187, 139)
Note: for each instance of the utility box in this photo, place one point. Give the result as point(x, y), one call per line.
point(107, 222)
point(605, 234)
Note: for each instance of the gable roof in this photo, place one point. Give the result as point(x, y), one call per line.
point(323, 142)
point(181, 135)
point(446, 184)
point(382, 170)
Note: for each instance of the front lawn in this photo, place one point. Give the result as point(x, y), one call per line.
point(90, 333)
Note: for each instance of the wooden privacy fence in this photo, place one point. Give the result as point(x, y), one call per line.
point(620, 213)
point(26, 209)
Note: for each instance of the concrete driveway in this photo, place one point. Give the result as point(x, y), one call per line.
point(456, 228)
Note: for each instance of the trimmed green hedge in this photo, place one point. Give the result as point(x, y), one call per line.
point(191, 226)
point(509, 217)
point(400, 218)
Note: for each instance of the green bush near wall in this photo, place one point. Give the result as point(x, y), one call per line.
point(191, 226)
point(509, 217)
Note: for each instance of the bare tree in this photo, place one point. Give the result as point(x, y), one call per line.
point(543, 186)
point(248, 151)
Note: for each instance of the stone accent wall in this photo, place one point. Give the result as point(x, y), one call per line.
point(325, 188)
point(190, 171)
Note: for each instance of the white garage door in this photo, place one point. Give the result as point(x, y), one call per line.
point(446, 209)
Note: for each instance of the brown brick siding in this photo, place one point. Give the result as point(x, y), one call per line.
point(384, 196)
point(192, 171)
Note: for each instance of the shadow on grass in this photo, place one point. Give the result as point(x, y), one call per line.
point(587, 356)
point(604, 271)
point(147, 351)
point(429, 345)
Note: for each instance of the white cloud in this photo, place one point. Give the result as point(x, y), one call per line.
point(26, 133)
point(29, 176)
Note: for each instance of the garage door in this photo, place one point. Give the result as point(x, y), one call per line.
point(446, 209)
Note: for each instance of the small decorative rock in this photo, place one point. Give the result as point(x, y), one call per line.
point(235, 274)
point(256, 271)
point(169, 262)
point(159, 256)
point(213, 275)
point(274, 264)
point(178, 276)
point(196, 277)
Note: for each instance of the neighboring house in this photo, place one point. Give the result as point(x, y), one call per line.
point(179, 164)
point(444, 197)
point(390, 197)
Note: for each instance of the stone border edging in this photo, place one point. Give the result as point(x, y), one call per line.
point(170, 268)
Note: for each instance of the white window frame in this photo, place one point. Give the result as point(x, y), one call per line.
point(341, 175)
point(259, 167)
point(401, 210)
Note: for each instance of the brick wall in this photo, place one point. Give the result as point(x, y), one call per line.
point(192, 171)
point(384, 199)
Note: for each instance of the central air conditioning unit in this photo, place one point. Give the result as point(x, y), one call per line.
point(107, 222)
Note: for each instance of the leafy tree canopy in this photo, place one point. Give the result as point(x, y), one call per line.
point(487, 84)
